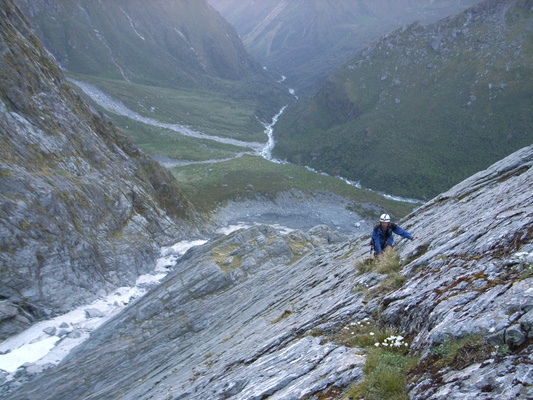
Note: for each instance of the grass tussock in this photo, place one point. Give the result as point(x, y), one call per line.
point(387, 264)
point(457, 354)
point(365, 334)
point(387, 362)
point(386, 376)
point(460, 353)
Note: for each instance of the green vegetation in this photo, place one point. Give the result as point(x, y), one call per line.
point(210, 185)
point(226, 258)
point(308, 40)
point(285, 314)
point(192, 69)
point(169, 143)
point(386, 376)
point(222, 93)
point(213, 184)
point(413, 120)
point(387, 361)
point(460, 353)
point(528, 272)
point(389, 264)
point(209, 112)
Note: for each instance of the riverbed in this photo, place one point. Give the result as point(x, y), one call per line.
point(296, 210)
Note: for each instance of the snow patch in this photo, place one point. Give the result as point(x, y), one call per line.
point(48, 342)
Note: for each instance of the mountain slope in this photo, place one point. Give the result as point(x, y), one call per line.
point(164, 43)
point(264, 314)
point(306, 40)
point(423, 107)
point(82, 209)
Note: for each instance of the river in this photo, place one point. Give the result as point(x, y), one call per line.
point(117, 107)
point(261, 149)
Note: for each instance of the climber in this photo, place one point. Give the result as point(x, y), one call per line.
point(382, 234)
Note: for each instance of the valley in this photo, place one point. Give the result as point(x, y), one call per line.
point(243, 182)
point(307, 40)
point(179, 221)
point(422, 107)
point(399, 81)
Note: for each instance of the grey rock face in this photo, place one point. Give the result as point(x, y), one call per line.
point(470, 276)
point(224, 327)
point(219, 330)
point(13, 319)
point(82, 210)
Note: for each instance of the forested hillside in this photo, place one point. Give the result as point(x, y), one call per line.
point(306, 40)
point(423, 107)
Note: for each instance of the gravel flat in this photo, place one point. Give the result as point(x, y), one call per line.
point(296, 210)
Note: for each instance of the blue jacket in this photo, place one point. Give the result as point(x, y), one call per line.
point(381, 238)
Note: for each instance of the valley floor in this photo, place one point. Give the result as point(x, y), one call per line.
point(295, 210)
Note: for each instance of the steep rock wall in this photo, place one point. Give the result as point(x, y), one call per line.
point(258, 314)
point(83, 210)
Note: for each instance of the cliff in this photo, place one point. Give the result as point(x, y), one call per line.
point(82, 209)
point(263, 314)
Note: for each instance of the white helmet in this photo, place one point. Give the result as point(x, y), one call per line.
point(384, 218)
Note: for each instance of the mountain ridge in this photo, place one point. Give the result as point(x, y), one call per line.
point(82, 208)
point(171, 44)
point(305, 41)
point(128, 14)
point(440, 101)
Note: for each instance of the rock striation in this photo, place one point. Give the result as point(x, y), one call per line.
point(257, 314)
point(472, 275)
point(82, 209)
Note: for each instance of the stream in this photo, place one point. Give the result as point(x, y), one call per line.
point(117, 107)
point(294, 209)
